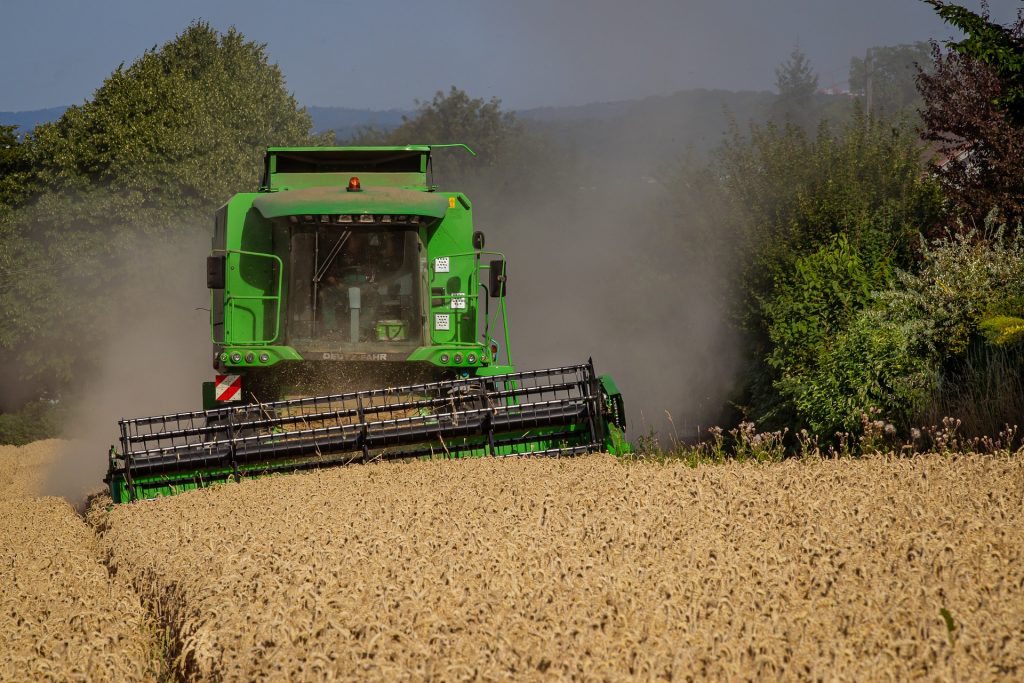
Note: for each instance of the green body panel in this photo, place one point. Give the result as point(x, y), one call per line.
point(338, 200)
point(493, 370)
point(615, 409)
point(248, 310)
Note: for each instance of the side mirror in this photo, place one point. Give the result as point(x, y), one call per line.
point(498, 278)
point(478, 240)
point(215, 267)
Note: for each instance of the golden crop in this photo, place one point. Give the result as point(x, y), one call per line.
point(519, 569)
point(592, 569)
point(61, 616)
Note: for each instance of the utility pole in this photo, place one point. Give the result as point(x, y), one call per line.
point(867, 83)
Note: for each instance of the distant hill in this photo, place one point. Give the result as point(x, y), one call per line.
point(27, 120)
point(653, 131)
point(345, 121)
point(651, 127)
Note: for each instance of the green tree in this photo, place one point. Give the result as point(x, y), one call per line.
point(455, 117)
point(795, 78)
point(1000, 48)
point(794, 192)
point(797, 83)
point(973, 115)
point(16, 179)
point(140, 166)
point(887, 78)
point(180, 129)
point(792, 196)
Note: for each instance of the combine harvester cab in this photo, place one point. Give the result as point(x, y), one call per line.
point(348, 270)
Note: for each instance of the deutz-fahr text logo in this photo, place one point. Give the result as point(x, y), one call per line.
point(330, 355)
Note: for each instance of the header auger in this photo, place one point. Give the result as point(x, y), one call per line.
point(345, 271)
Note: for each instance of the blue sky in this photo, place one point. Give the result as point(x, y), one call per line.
point(382, 53)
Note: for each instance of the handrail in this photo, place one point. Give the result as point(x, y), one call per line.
point(453, 144)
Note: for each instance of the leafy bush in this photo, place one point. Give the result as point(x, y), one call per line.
point(922, 348)
point(875, 365)
point(966, 282)
point(41, 419)
point(816, 224)
point(915, 351)
point(808, 322)
point(1003, 330)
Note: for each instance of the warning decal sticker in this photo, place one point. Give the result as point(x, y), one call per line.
point(229, 388)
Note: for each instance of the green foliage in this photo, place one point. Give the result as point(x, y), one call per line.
point(816, 301)
point(455, 117)
point(998, 47)
point(872, 366)
point(795, 192)
point(851, 318)
point(180, 129)
point(16, 179)
point(887, 78)
point(910, 346)
point(811, 346)
point(963, 280)
point(795, 78)
point(835, 361)
point(137, 168)
point(816, 223)
point(40, 419)
point(1003, 330)
point(796, 82)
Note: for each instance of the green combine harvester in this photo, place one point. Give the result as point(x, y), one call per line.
point(346, 271)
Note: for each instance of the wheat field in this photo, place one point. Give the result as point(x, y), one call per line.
point(62, 617)
point(583, 569)
point(590, 569)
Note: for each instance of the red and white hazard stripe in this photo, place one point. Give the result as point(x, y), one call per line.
point(228, 388)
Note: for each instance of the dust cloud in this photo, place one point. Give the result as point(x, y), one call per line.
point(153, 362)
point(599, 266)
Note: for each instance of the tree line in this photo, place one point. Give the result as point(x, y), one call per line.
point(870, 246)
point(876, 259)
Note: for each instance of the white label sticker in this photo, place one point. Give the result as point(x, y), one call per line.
point(442, 322)
point(459, 300)
point(442, 264)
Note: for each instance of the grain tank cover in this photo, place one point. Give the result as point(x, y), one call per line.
point(318, 201)
point(298, 167)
